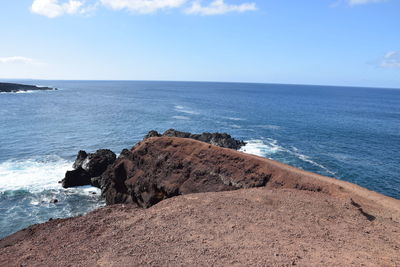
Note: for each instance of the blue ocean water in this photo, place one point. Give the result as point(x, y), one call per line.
point(348, 133)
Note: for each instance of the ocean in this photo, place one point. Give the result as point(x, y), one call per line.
point(348, 133)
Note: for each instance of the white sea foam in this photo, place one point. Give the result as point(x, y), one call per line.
point(235, 119)
point(269, 127)
point(21, 92)
point(186, 110)
point(36, 175)
point(181, 117)
point(268, 147)
point(262, 148)
point(26, 92)
point(32, 174)
point(309, 160)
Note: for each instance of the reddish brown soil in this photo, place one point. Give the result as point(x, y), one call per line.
point(258, 227)
point(298, 218)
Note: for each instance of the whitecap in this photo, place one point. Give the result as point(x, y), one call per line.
point(33, 175)
point(181, 117)
point(235, 118)
point(309, 160)
point(20, 92)
point(185, 110)
point(262, 148)
point(269, 127)
point(268, 147)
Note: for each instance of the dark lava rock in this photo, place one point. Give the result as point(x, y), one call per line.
point(96, 163)
point(152, 133)
point(78, 177)
point(15, 87)
point(82, 155)
point(88, 166)
point(217, 139)
point(163, 167)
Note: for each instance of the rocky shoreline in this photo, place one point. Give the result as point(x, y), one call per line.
point(15, 87)
point(102, 169)
point(180, 199)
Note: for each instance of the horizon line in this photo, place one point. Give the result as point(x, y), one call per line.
point(188, 81)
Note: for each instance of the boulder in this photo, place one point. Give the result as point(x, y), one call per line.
point(217, 139)
point(96, 163)
point(87, 167)
point(78, 177)
point(163, 167)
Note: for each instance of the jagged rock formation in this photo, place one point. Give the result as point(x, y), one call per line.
point(88, 166)
point(217, 139)
point(14, 87)
point(163, 167)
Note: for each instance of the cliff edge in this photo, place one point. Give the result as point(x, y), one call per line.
point(209, 205)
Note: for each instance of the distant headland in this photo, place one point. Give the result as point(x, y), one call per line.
point(15, 87)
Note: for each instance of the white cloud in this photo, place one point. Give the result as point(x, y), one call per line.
point(143, 6)
point(52, 8)
point(391, 60)
point(218, 7)
point(56, 8)
point(362, 2)
point(16, 60)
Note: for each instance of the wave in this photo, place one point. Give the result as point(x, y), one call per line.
point(21, 92)
point(181, 117)
point(309, 160)
point(186, 110)
point(30, 193)
point(35, 175)
point(235, 118)
point(267, 147)
point(262, 148)
point(269, 127)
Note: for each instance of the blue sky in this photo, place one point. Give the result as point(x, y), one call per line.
point(333, 42)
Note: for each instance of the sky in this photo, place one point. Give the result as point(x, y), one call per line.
point(327, 42)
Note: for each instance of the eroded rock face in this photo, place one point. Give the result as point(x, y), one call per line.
point(217, 139)
point(88, 166)
point(163, 167)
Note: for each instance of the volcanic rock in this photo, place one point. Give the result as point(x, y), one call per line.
point(217, 139)
point(88, 166)
point(163, 167)
point(78, 177)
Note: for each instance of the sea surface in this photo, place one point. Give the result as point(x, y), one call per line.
point(351, 134)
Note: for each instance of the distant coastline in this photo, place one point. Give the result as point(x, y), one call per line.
point(15, 88)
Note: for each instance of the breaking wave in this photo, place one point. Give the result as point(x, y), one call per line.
point(268, 147)
point(186, 110)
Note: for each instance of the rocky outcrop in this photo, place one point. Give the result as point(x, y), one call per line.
point(163, 167)
point(217, 139)
point(88, 166)
point(14, 87)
